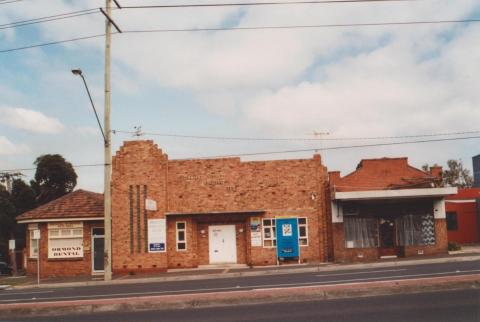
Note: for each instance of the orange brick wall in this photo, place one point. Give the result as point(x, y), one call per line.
point(197, 187)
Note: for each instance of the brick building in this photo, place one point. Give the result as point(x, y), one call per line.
point(189, 213)
point(386, 208)
point(463, 212)
point(71, 235)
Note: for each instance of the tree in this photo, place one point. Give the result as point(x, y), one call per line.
point(7, 219)
point(54, 178)
point(456, 175)
point(23, 196)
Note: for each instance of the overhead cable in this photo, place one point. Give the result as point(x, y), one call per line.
point(245, 28)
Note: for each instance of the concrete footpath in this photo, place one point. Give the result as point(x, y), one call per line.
point(227, 272)
point(258, 296)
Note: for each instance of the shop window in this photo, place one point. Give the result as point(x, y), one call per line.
point(452, 223)
point(65, 240)
point(269, 233)
point(360, 232)
point(181, 236)
point(414, 230)
point(302, 232)
point(33, 251)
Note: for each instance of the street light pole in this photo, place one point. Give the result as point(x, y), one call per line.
point(107, 151)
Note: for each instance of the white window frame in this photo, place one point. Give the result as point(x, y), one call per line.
point(177, 230)
point(306, 231)
point(31, 251)
point(273, 235)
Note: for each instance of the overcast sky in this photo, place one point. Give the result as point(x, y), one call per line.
point(371, 81)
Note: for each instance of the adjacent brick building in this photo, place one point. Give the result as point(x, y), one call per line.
point(386, 208)
point(71, 235)
point(463, 222)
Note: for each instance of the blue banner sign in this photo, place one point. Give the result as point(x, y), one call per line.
point(287, 237)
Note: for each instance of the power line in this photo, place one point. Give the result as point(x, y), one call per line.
point(246, 28)
point(224, 138)
point(344, 147)
point(336, 148)
point(9, 1)
point(245, 4)
point(75, 166)
point(51, 43)
point(370, 24)
point(90, 11)
point(56, 17)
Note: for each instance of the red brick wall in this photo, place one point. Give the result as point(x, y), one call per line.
point(467, 222)
point(62, 267)
point(295, 187)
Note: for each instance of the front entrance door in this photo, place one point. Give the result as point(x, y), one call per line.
point(222, 244)
point(387, 237)
point(98, 243)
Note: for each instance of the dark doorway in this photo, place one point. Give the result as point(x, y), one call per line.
point(98, 249)
point(387, 237)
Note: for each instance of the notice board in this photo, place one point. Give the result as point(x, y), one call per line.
point(157, 235)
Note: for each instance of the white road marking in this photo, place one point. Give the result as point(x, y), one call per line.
point(25, 293)
point(251, 287)
point(369, 272)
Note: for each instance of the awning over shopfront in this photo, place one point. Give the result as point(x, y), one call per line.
point(395, 194)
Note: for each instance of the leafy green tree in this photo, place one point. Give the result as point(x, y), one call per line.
point(7, 219)
point(54, 178)
point(456, 175)
point(23, 196)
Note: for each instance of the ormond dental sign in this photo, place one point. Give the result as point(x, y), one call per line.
point(66, 252)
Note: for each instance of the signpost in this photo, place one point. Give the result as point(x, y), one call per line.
point(13, 256)
point(287, 238)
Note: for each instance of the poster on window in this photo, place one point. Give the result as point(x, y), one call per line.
point(256, 238)
point(157, 235)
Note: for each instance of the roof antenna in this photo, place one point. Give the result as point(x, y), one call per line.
point(138, 132)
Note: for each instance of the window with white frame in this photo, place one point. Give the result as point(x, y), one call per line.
point(181, 236)
point(33, 251)
point(302, 232)
point(269, 233)
point(65, 240)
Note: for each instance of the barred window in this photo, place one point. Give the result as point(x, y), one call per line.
point(269, 233)
point(302, 232)
point(181, 236)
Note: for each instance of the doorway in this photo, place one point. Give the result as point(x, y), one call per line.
point(98, 247)
point(387, 237)
point(222, 244)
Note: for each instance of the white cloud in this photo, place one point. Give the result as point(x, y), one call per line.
point(30, 120)
point(9, 148)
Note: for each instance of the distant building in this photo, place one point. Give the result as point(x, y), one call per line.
point(462, 216)
point(476, 171)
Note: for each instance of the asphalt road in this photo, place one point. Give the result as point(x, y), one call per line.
point(455, 306)
point(240, 283)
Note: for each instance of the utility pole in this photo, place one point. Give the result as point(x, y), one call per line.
point(107, 151)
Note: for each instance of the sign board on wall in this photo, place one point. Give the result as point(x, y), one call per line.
point(157, 235)
point(287, 237)
point(65, 248)
point(255, 223)
point(11, 244)
point(256, 238)
point(150, 205)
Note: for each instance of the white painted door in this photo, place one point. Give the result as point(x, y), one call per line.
point(222, 244)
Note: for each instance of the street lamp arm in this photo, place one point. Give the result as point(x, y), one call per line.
point(94, 110)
